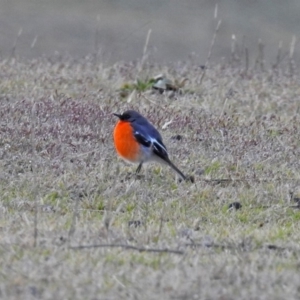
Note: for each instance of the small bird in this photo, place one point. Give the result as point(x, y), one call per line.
point(138, 141)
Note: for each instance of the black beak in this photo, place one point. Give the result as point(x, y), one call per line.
point(117, 115)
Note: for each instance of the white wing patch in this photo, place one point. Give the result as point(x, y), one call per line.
point(154, 141)
point(150, 142)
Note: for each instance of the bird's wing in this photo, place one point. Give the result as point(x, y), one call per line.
point(160, 150)
point(158, 147)
point(142, 139)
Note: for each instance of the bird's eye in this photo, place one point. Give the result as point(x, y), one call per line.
point(125, 117)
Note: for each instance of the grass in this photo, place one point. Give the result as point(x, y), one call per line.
point(149, 236)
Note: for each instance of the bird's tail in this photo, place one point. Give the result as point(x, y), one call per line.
point(176, 169)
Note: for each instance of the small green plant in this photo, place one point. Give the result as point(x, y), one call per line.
point(139, 86)
point(213, 168)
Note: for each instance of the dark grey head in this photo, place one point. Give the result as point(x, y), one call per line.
point(129, 116)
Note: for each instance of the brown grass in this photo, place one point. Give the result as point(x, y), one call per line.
point(102, 233)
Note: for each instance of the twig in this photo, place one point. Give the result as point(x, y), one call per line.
point(260, 57)
point(210, 50)
point(278, 57)
point(134, 31)
point(13, 50)
point(240, 246)
point(216, 11)
point(213, 42)
point(32, 141)
point(117, 46)
point(233, 48)
point(224, 180)
point(34, 42)
point(35, 232)
point(261, 54)
point(246, 60)
point(129, 247)
point(145, 50)
point(73, 224)
point(291, 55)
point(223, 109)
point(209, 245)
point(161, 222)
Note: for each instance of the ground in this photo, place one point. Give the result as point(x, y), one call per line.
point(76, 222)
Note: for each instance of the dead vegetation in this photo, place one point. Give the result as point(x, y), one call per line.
point(76, 223)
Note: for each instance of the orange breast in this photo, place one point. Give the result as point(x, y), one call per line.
point(125, 143)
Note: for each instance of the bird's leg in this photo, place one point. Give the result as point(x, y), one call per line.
point(139, 168)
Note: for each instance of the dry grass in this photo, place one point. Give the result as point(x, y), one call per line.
point(240, 140)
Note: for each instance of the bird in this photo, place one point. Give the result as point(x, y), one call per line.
point(137, 141)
